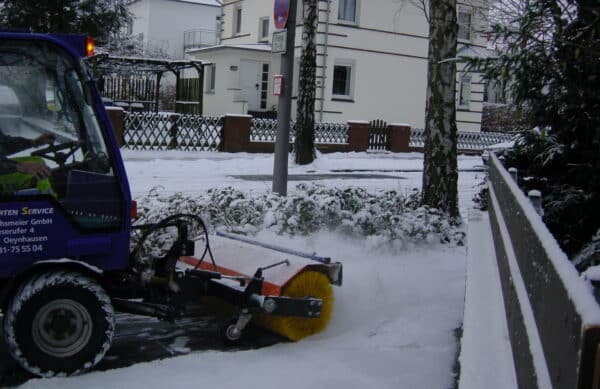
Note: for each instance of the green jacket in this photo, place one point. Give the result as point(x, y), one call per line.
point(10, 145)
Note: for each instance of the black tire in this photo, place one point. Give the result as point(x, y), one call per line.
point(59, 323)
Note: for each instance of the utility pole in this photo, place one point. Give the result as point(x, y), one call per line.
point(282, 142)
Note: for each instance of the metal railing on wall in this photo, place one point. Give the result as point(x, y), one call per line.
point(161, 131)
point(465, 140)
point(265, 130)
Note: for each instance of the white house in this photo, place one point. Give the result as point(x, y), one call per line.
point(176, 25)
point(371, 61)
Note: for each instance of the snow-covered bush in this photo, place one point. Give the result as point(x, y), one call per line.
point(481, 195)
point(548, 59)
point(570, 198)
point(590, 254)
point(387, 216)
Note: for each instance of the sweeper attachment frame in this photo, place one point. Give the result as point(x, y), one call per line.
point(176, 284)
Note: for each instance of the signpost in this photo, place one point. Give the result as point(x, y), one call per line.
point(278, 43)
point(284, 13)
point(277, 84)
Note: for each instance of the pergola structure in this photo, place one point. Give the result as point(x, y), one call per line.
point(103, 64)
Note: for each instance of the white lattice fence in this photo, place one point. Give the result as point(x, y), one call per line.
point(152, 131)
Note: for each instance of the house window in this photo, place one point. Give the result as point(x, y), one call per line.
point(464, 25)
point(212, 78)
point(237, 20)
point(263, 29)
point(342, 80)
point(347, 10)
point(264, 86)
point(464, 95)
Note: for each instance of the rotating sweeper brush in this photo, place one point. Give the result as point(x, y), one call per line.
point(296, 297)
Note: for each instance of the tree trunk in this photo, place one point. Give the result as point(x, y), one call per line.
point(440, 173)
point(304, 145)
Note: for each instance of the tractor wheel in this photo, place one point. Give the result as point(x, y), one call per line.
point(59, 323)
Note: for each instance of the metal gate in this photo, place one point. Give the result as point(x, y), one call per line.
point(379, 135)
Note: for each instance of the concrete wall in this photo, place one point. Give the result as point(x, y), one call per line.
point(552, 316)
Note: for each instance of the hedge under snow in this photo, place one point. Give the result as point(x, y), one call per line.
point(384, 216)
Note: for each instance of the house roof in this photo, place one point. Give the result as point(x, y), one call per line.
point(214, 3)
point(252, 47)
point(141, 65)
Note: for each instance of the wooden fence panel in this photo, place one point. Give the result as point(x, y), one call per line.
point(132, 93)
point(189, 96)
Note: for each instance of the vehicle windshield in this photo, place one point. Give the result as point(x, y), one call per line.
point(47, 118)
point(41, 91)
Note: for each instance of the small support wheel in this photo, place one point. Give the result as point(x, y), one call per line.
point(232, 331)
point(231, 335)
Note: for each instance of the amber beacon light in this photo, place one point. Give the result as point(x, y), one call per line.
point(89, 46)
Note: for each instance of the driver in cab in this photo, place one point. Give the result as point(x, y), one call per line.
point(23, 172)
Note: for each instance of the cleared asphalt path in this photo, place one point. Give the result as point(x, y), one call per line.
point(141, 339)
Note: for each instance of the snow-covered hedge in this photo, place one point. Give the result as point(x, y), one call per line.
point(384, 216)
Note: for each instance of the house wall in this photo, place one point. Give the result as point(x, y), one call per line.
point(141, 17)
point(252, 11)
point(163, 22)
point(390, 88)
point(469, 119)
point(387, 48)
point(227, 97)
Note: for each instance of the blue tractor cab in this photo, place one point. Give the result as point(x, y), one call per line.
point(66, 223)
point(47, 91)
point(69, 254)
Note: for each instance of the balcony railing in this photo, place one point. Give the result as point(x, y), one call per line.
point(198, 38)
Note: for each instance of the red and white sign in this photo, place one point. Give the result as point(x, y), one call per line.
point(278, 85)
point(281, 11)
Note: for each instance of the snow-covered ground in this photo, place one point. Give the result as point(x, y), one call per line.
point(394, 318)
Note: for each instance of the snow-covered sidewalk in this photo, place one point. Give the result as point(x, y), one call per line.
point(486, 355)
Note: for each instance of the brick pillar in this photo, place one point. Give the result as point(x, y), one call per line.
point(358, 136)
point(236, 133)
point(116, 115)
point(399, 138)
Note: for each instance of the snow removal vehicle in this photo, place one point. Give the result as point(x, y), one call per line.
point(71, 255)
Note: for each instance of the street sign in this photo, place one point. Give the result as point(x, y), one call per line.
point(279, 41)
point(281, 11)
point(277, 84)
